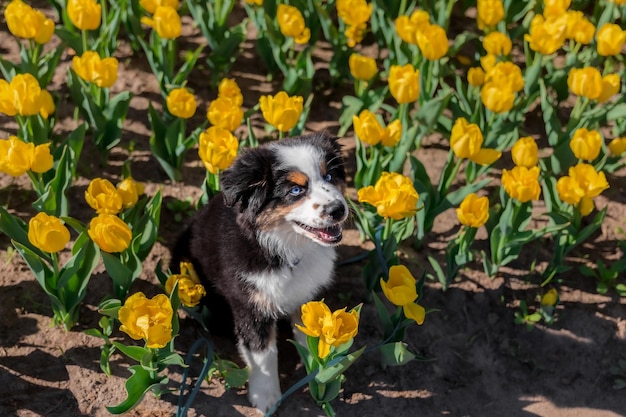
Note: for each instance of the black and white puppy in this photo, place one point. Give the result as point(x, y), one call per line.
point(265, 245)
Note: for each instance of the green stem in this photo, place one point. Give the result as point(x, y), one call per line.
point(83, 36)
point(387, 229)
point(448, 181)
point(55, 268)
point(328, 409)
point(402, 8)
point(37, 182)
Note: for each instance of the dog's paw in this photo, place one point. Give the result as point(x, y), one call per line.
point(263, 394)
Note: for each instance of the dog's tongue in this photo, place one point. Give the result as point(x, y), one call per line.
point(331, 234)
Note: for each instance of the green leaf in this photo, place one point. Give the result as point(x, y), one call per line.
point(43, 273)
point(133, 352)
point(330, 373)
point(17, 230)
point(395, 354)
point(110, 307)
point(307, 359)
point(383, 315)
point(137, 386)
point(236, 378)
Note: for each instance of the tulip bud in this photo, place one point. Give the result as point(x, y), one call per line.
point(47, 233)
point(110, 233)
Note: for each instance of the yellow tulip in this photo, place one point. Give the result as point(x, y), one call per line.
point(27, 99)
point(129, 190)
point(406, 30)
point(150, 6)
point(393, 195)
point(586, 144)
point(525, 152)
point(400, 290)
point(497, 98)
point(408, 27)
point(27, 23)
point(165, 21)
point(110, 233)
point(393, 133)
point(466, 141)
point(332, 329)
point(314, 314)
point(476, 76)
point(255, 2)
point(473, 211)
point(42, 160)
point(611, 85)
point(281, 111)
point(181, 103)
point(555, 7)
point(610, 39)
point(6, 99)
point(225, 113)
point(149, 319)
point(550, 298)
point(47, 104)
point(354, 12)
point(591, 181)
point(354, 34)
point(579, 28)
point(367, 128)
point(497, 43)
point(617, 146)
point(217, 149)
point(229, 89)
point(291, 23)
point(47, 233)
point(404, 83)
point(506, 75)
point(190, 290)
point(585, 82)
point(487, 62)
point(580, 187)
point(546, 36)
point(569, 190)
point(15, 156)
point(362, 67)
point(522, 183)
point(432, 41)
point(490, 13)
point(91, 68)
point(84, 14)
point(103, 197)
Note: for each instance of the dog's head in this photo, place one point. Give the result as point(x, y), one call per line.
point(290, 186)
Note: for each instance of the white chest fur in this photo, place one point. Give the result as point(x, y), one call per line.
point(283, 290)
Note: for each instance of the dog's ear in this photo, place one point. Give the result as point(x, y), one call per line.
point(248, 180)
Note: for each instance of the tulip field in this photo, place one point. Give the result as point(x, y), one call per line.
point(481, 271)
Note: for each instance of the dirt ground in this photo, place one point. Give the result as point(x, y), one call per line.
point(476, 360)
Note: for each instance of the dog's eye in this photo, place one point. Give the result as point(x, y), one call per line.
point(296, 190)
point(328, 178)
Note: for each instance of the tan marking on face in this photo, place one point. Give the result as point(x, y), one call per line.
point(323, 168)
point(298, 178)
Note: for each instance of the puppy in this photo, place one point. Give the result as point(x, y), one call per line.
point(265, 244)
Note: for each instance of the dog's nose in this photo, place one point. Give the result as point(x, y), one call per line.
point(335, 209)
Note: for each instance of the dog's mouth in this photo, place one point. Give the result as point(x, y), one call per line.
point(328, 236)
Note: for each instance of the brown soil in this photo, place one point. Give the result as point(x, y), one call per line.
point(477, 361)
